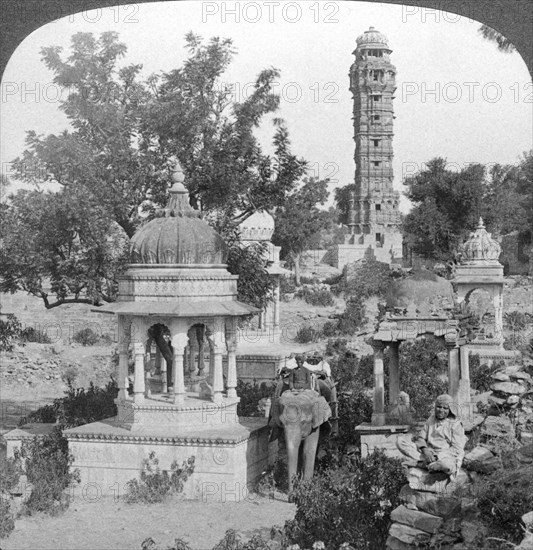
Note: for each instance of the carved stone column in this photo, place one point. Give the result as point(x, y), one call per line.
point(454, 369)
point(276, 306)
point(394, 372)
point(138, 379)
point(218, 343)
point(231, 345)
point(179, 342)
point(498, 314)
point(124, 335)
point(378, 415)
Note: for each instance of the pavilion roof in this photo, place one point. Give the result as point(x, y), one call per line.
point(197, 308)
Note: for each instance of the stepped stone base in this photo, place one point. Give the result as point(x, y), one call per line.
point(381, 437)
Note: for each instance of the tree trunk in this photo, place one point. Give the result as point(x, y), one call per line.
point(296, 260)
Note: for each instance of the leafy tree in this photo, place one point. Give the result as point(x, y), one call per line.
point(447, 205)
point(509, 197)
point(342, 201)
point(299, 220)
point(112, 163)
point(503, 43)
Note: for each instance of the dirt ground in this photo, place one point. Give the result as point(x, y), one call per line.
point(109, 525)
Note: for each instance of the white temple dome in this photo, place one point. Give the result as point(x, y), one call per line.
point(480, 246)
point(372, 38)
point(258, 227)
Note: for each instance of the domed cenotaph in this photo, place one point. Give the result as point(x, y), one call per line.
point(176, 289)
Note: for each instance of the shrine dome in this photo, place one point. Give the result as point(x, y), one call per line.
point(258, 227)
point(177, 235)
point(480, 246)
point(372, 38)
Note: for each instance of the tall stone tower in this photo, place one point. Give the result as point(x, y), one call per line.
point(373, 209)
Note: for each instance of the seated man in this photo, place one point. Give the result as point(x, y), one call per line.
point(439, 446)
point(300, 378)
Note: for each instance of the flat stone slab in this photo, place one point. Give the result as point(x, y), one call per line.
point(408, 535)
point(417, 519)
point(395, 544)
point(510, 388)
point(435, 504)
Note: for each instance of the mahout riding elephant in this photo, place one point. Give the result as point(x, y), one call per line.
point(300, 414)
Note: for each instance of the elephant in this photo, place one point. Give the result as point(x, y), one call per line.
point(300, 414)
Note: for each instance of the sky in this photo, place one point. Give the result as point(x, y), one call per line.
point(457, 96)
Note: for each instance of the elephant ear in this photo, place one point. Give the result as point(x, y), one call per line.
point(308, 408)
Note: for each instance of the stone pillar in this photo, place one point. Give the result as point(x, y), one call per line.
point(498, 314)
point(124, 335)
point(200, 332)
point(218, 343)
point(231, 345)
point(138, 380)
point(276, 306)
point(179, 341)
point(394, 372)
point(454, 372)
point(378, 415)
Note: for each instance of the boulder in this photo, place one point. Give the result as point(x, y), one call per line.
point(509, 388)
point(525, 454)
point(513, 400)
point(521, 376)
point(497, 426)
point(435, 504)
point(408, 535)
point(422, 480)
point(482, 460)
point(417, 519)
point(500, 377)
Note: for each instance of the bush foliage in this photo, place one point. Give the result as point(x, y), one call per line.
point(47, 467)
point(86, 337)
point(10, 332)
point(250, 395)
point(155, 484)
point(79, 406)
point(354, 316)
point(316, 296)
point(369, 278)
point(351, 504)
point(503, 497)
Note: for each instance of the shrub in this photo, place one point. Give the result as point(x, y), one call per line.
point(515, 321)
point(330, 329)
point(353, 317)
point(316, 296)
point(368, 278)
point(287, 285)
point(351, 504)
point(306, 335)
point(423, 373)
point(308, 280)
point(503, 497)
point(86, 337)
point(7, 522)
point(10, 332)
point(481, 374)
point(336, 346)
point(250, 395)
point(79, 406)
point(47, 467)
point(155, 485)
point(275, 477)
point(232, 541)
point(30, 334)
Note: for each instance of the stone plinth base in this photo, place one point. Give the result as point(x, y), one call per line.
point(380, 437)
point(489, 353)
point(159, 412)
point(228, 457)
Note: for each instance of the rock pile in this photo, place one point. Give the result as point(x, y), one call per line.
point(430, 513)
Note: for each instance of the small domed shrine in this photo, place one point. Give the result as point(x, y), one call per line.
point(259, 228)
point(479, 269)
point(176, 296)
